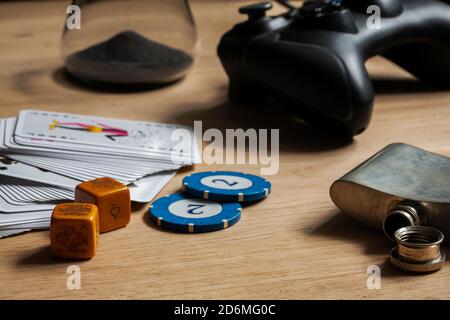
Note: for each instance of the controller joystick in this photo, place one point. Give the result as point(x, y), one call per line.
point(312, 58)
point(256, 11)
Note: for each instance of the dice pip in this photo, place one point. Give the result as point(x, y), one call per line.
point(74, 230)
point(112, 199)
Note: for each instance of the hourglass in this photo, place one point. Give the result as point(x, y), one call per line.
point(129, 41)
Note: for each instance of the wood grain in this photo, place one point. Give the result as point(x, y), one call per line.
point(294, 245)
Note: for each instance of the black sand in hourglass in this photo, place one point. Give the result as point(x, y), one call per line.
point(129, 58)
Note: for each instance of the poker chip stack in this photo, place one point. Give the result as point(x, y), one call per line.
point(210, 201)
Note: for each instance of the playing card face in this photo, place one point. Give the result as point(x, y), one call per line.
point(16, 144)
point(137, 136)
point(81, 169)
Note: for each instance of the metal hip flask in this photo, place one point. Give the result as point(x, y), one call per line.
point(399, 186)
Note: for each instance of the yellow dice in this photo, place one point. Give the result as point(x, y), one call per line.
point(112, 199)
point(74, 230)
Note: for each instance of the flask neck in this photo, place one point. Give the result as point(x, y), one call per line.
point(402, 215)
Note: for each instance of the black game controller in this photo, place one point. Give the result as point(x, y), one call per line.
point(312, 58)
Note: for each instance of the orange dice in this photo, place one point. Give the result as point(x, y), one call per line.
point(74, 230)
point(112, 199)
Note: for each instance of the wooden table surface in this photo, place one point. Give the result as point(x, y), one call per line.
point(294, 245)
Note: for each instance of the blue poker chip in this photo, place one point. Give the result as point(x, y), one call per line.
point(182, 213)
point(226, 186)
